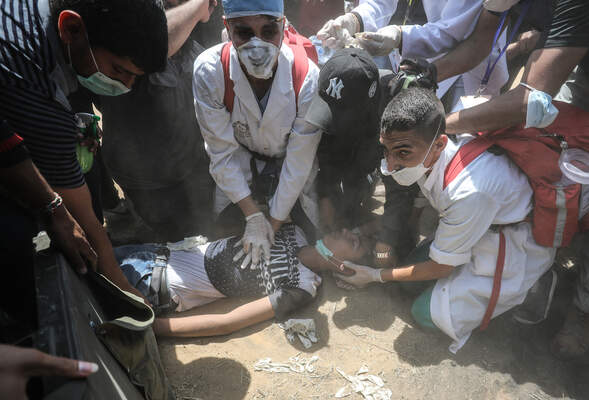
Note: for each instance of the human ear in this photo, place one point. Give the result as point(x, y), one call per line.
point(227, 28)
point(71, 28)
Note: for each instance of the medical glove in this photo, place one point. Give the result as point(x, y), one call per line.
point(381, 42)
point(363, 275)
point(336, 33)
point(257, 239)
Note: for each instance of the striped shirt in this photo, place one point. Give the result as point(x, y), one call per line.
point(35, 81)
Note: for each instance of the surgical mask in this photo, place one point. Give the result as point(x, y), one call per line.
point(323, 250)
point(409, 175)
point(99, 83)
point(326, 253)
point(258, 57)
point(541, 112)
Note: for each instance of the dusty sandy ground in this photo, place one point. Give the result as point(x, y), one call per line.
point(373, 327)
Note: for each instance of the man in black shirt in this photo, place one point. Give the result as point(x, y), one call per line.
point(47, 48)
point(152, 144)
point(346, 108)
point(352, 95)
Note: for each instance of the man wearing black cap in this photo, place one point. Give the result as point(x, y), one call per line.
point(352, 95)
point(346, 109)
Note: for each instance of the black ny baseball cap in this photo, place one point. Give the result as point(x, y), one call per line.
point(348, 92)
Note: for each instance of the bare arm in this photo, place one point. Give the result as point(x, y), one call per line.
point(426, 271)
point(80, 205)
point(216, 324)
point(26, 182)
point(546, 70)
point(470, 52)
point(183, 19)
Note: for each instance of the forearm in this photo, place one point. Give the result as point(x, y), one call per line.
point(26, 182)
point(426, 271)
point(216, 324)
point(181, 21)
point(501, 112)
point(470, 52)
point(79, 203)
point(248, 206)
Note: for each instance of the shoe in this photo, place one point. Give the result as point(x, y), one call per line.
point(572, 341)
point(535, 307)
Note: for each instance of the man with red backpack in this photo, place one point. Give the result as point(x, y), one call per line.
point(251, 97)
point(559, 68)
point(484, 258)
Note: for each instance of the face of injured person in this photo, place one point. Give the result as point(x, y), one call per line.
point(348, 246)
point(405, 149)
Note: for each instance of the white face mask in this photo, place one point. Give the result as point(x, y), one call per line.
point(409, 175)
point(258, 57)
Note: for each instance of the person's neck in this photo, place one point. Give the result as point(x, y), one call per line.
point(260, 86)
point(311, 259)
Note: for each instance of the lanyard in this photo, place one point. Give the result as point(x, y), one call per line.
point(491, 65)
point(407, 11)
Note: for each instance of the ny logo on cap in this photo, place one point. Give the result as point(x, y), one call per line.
point(335, 88)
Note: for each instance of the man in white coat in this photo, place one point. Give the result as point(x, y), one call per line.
point(487, 200)
point(449, 23)
point(266, 125)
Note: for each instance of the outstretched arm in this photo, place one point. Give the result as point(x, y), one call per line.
point(216, 324)
point(546, 70)
point(470, 52)
point(182, 20)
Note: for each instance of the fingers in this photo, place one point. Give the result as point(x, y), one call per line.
point(89, 255)
point(256, 250)
point(74, 257)
point(325, 32)
point(42, 364)
point(246, 261)
point(266, 250)
point(238, 255)
point(344, 278)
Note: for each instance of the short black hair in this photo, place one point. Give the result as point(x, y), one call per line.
point(136, 29)
point(416, 109)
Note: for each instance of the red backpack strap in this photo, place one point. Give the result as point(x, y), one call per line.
point(464, 156)
point(300, 66)
point(225, 62)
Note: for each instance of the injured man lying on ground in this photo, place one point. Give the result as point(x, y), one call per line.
point(192, 273)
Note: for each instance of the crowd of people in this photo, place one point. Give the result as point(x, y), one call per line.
point(264, 150)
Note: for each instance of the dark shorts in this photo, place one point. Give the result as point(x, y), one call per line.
point(138, 263)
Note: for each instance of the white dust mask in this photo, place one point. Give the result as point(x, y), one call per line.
point(258, 57)
point(409, 175)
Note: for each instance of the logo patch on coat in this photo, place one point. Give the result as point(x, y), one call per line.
point(241, 130)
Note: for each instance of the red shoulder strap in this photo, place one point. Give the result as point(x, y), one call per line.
point(300, 66)
point(229, 93)
point(464, 156)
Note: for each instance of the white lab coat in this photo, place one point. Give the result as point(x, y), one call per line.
point(489, 191)
point(280, 132)
point(449, 23)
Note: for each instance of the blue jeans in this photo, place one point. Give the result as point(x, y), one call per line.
point(137, 263)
